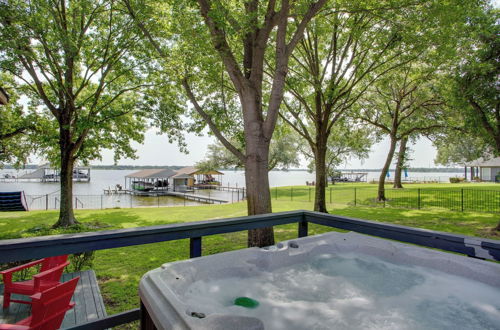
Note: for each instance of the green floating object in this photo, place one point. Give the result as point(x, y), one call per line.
point(246, 302)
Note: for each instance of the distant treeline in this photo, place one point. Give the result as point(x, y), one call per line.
point(176, 167)
point(413, 169)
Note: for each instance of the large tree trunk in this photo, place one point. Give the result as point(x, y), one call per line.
point(257, 183)
point(400, 163)
point(66, 215)
point(381, 181)
point(321, 177)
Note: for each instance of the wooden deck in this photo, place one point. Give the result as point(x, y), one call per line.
point(89, 304)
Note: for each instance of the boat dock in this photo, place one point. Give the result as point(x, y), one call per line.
point(164, 192)
point(197, 198)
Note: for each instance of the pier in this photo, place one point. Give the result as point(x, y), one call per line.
point(164, 192)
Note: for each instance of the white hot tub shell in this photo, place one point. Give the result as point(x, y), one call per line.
point(169, 293)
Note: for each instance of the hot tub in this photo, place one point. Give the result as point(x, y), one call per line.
point(329, 281)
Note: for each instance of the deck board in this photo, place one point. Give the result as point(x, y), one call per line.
point(89, 303)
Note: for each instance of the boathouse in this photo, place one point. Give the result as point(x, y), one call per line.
point(45, 173)
point(187, 178)
point(486, 170)
point(150, 179)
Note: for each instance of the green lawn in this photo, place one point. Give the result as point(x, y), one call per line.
point(482, 197)
point(119, 270)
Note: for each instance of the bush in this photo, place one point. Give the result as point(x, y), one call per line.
point(80, 261)
point(456, 180)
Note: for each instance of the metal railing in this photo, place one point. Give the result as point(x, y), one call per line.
point(51, 202)
point(454, 199)
point(45, 246)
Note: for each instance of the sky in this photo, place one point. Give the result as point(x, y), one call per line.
point(156, 150)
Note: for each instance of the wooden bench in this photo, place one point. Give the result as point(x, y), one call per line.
point(89, 304)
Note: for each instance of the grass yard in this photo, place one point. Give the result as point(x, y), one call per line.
point(119, 270)
point(482, 197)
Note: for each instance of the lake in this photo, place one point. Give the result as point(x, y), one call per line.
point(104, 179)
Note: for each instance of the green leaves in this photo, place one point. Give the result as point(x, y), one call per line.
point(81, 65)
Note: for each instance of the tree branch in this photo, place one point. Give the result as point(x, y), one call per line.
point(210, 123)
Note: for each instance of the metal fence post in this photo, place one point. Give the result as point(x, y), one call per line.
point(462, 199)
point(418, 198)
point(355, 196)
point(47, 202)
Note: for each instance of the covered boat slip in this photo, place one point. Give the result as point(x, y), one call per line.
point(50, 174)
point(89, 304)
point(163, 179)
point(150, 180)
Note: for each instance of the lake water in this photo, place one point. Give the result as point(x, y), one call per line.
point(89, 195)
point(104, 179)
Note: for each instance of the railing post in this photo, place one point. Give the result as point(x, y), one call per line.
point(194, 247)
point(76, 203)
point(355, 196)
point(46, 202)
point(462, 199)
point(303, 228)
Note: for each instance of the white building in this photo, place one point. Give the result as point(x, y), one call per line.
point(486, 170)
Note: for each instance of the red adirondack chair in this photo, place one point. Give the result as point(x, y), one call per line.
point(49, 276)
point(48, 308)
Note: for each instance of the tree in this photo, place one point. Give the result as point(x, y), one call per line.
point(402, 105)
point(79, 65)
point(457, 147)
point(476, 81)
point(283, 153)
point(401, 161)
point(16, 127)
point(240, 36)
point(343, 52)
point(347, 140)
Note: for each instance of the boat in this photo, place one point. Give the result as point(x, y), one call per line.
point(142, 186)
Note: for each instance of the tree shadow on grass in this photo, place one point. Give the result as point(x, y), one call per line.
point(465, 223)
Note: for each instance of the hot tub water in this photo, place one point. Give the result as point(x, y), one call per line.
point(353, 291)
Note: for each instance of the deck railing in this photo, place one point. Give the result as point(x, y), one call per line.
point(45, 246)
